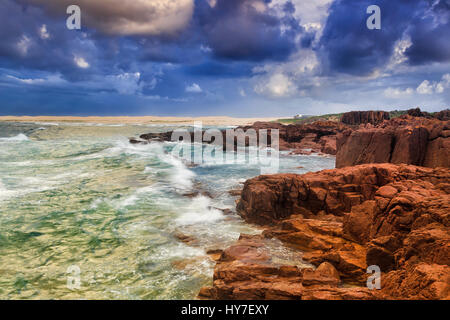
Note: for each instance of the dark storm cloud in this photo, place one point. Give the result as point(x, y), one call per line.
point(248, 29)
point(348, 46)
point(32, 41)
point(212, 68)
point(430, 35)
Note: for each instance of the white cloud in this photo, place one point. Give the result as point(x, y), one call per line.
point(137, 17)
point(427, 87)
point(398, 57)
point(194, 88)
point(298, 76)
point(125, 83)
point(53, 79)
point(43, 32)
point(24, 45)
point(212, 3)
point(397, 93)
point(258, 5)
point(206, 49)
point(308, 11)
point(277, 86)
point(80, 62)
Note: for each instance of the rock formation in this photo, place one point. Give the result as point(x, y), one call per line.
point(364, 117)
point(394, 216)
point(318, 137)
point(411, 140)
point(443, 115)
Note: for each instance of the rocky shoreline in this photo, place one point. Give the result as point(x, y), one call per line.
point(387, 204)
point(318, 137)
point(393, 216)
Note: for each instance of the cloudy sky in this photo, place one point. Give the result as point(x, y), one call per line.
point(222, 57)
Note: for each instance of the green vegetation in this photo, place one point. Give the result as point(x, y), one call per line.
point(331, 117)
point(397, 113)
point(310, 119)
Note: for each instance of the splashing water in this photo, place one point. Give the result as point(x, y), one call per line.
point(81, 195)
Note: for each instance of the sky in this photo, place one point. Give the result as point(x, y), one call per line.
point(241, 58)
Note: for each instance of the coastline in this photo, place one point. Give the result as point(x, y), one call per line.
point(207, 120)
point(382, 210)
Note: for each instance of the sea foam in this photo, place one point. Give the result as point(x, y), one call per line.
point(18, 138)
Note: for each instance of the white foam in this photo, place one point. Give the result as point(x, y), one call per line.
point(47, 123)
point(6, 194)
point(18, 138)
point(181, 176)
point(33, 184)
point(199, 211)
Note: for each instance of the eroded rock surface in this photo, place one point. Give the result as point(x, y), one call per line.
point(419, 141)
point(344, 220)
point(363, 117)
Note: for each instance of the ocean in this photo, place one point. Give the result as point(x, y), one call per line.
point(79, 196)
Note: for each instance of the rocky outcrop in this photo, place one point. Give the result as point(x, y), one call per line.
point(364, 117)
point(246, 271)
point(443, 115)
point(319, 137)
point(409, 140)
point(394, 216)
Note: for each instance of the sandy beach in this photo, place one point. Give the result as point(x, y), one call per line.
point(221, 120)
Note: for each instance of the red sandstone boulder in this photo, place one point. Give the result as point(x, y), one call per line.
point(246, 272)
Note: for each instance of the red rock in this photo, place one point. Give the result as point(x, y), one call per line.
point(269, 198)
point(325, 274)
point(387, 192)
point(319, 136)
point(363, 117)
point(393, 216)
point(334, 293)
point(418, 281)
point(409, 140)
point(438, 153)
point(235, 193)
point(246, 272)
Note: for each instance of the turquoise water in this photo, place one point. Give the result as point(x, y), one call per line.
point(80, 195)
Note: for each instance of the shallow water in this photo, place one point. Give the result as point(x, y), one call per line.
point(80, 195)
